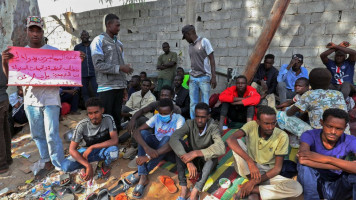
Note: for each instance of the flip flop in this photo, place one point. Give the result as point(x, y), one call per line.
point(105, 173)
point(140, 189)
point(122, 186)
point(75, 188)
point(43, 173)
point(121, 196)
point(63, 194)
point(103, 195)
point(168, 182)
point(92, 196)
point(132, 179)
point(64, 178)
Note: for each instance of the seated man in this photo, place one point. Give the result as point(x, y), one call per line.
point(154, 147)
point(261, 158)
point(180, 71)
point(287, 76)
point(238, 102)
point(70, 95)
point(201, 154)
point(314, 102)
point(322, 169)
point(138, 100)
point(181, 97)
point(97, 136)
point(342, 69)
point(265, 81)
point(135, 85)
point(18, 111)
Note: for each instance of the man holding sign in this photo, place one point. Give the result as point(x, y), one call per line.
point(110, 68)
point(42, 104)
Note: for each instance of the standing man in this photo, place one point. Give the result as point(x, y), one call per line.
point(110, 68)
point(342, 69)
point(5, 135)
point(42, 105)
point(265, 81)
point(287, 76)
point(202, 73)
point(88, 72)
point(166, 67)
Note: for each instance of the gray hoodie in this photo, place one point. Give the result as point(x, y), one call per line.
point(108, 55)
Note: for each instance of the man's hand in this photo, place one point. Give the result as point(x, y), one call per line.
point(131, 126)
point(6, 56)
point(73, 92)
point(188, 157)
point(126, 68)
point(344, 44)
point(247, 188)
point(142, 160)
point(82, 55)
point(213, 81)
point(89, 173)
point(87, 152)
point(309, 155)
point(330, 45)
point(193, 172)
point(160, 67)
point(254, 172)
point(152, 152)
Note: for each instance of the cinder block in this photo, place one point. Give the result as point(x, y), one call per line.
point(249, 3)
point(222, 33)
point(176, 36)
point(205, 17)
point(292, 8)
point(239, 32)
point(306, 51)
point(294, 20)
point(320, 40)
point(244, 42)
point(332, 16)
point(213, 6)
point(163, 20)
point(348, 16)
point(156, 13)
point(231, 23)
point(340, 28)
point(170, 11)
point(231, 5)
point(239, 14)
point(242, 61)
point(222, 43)
point(232, 42)
point(163, 36)
point(221, 52)
point(228, 61)
point(238, 52)
point(281, 51)
point(251, 22)
point(337, 39)
point(311, 7)
point(150, 52)
point(178, 3)
point(221, 15)
point(212, 25)
point(137, 52)
point(315, 29)
point(336, 5)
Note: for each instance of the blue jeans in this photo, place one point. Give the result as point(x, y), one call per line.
point(318, 185)
point(85, 88)
point(108, 154)
point(44, 126)
point(151, 141)
point(197, 85)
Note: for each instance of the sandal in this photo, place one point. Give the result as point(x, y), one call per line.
point(138, 189)
point(131, 179)
point(43, 173)
point(64, 179)
point(122, 186)
point(63, 194)
point(168, 182)
point(105, 173)
point(103, 195)
point(75, 188)
point(92, 196)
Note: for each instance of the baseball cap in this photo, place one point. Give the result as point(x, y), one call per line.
point(34, 21)
point(186, 29)
point(299, 56)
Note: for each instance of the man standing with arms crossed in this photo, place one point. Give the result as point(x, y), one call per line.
point(166, 65)
point(110, 68)
point(202, 73)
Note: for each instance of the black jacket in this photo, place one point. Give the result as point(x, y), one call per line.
point(271, 77)
point(182, 100)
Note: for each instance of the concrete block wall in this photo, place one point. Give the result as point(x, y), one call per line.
point(232, 26)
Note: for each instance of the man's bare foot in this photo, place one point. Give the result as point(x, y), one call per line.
point(185, 193)
point(194, 194)
point(143, 181)
point(49, 165)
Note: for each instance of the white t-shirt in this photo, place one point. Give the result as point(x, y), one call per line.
point(165, 129)
point(42, 95)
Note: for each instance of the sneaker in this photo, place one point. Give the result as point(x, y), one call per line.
point(130, 152)
point(132, 164)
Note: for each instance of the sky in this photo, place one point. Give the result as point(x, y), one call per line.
point(57, 7)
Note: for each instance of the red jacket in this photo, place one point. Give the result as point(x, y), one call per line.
point(231, 92)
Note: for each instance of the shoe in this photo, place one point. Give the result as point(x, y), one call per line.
point(130, 152)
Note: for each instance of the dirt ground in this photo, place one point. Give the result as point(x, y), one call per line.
point(15, 180)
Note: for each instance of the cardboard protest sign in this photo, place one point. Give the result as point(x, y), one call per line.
point(43, 67)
